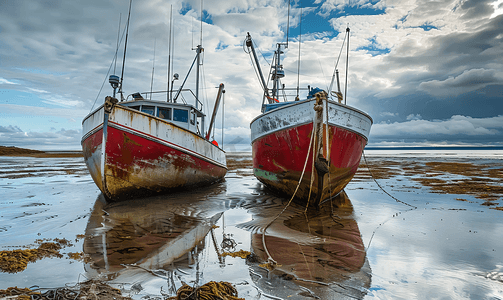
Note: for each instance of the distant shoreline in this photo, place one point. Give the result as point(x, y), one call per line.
point(22, 152)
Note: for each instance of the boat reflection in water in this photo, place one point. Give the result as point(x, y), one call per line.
point(319, 253)
point(149, 233)
point(163, 241)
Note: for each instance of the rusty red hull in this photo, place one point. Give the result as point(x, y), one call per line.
point(279, 158)
point(125, 162)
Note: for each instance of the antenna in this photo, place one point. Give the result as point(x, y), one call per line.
point(169, 53)
point(347, 62)
point(201, 34)
point(298, 65)
point(125, 47)
point(153, 64)
point(175, 76)
point(288, 23)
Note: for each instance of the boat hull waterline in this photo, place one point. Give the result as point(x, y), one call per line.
point(130, 153)
point(280, 144)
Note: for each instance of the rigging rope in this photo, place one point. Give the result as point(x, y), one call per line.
point(323, 73)
point(256, 72)
point(114, 60)
point(336, 64)
point(263, 56)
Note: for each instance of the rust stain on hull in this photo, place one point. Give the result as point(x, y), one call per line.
point(287, 183)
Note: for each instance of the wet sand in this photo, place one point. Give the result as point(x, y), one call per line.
point(434, 232)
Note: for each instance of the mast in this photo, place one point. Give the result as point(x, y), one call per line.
point(199, 49)
point(277, 73)
point(298, 62)
point(347, 62)
point(125, 47)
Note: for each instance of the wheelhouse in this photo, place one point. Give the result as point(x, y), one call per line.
point(180, 114)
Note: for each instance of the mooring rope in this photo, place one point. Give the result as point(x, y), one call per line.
point(269, 257)
point(371, 175)
point(397, 200)
point(312, 177)
point(329, 157)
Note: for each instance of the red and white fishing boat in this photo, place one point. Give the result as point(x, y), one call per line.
point(141, 146)
point(307, 148)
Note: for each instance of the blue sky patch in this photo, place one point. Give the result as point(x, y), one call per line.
point(207, 17)
point(374, 48)
point(186, 7)
point(427, 27)
point(221, 46)
point(313, 22)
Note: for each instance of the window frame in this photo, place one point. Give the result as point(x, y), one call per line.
point(185, 119)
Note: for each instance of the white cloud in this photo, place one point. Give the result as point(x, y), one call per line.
point(61, 139)
point(37, 91)
point(5, 81)
point(331, 5)
point(469, 80)
point(43, 111)
point(414, 117)
point(498, 8)
point(10, 129)
point(389, 114)
point(457, 125)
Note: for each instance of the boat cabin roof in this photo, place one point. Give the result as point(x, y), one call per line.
point(181, 114)
point(162, 104)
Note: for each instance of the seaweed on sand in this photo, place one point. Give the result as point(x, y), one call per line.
point(91, 289)
point(14, 261)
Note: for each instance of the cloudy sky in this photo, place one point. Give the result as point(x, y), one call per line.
point(428, 72)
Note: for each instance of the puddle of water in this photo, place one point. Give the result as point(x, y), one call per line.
point(178, 238)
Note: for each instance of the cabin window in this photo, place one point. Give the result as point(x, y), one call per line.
point(193, 118)
point(135, 107)
point(180, 115)
point(164, 113)
point(148, 109)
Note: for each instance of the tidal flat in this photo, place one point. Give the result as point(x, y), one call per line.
point(409, 226)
